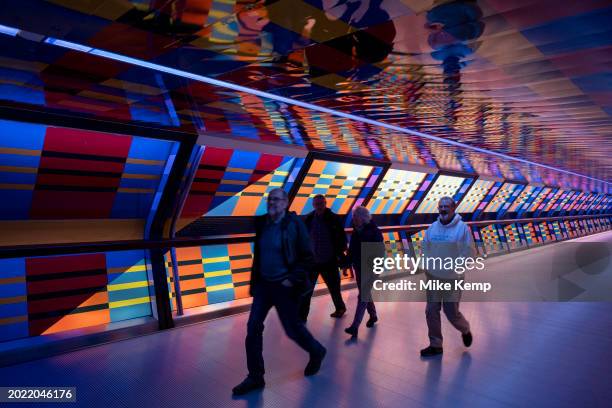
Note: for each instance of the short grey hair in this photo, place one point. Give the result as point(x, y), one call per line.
point(447, 198)
point(283, 192)
point(362, 212)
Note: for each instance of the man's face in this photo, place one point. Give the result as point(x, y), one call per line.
point(319, 204)
point(446, 210)
point(277, 204)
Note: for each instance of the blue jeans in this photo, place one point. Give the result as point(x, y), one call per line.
point(362, 306)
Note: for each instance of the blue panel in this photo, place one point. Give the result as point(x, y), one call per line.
point(132, 205)
point(155, 169)
point(124, 258)
point(139, 183)
point(244, 160)
point(134, 293)
point(22, 135)
point(19, 160)
point(220, 296)
point(13, 309)
point(130, 312)
point(150, 149)
point(14, 331)
point(595, 83)
point(21, 94)
point(17, 178)
point(15, 204)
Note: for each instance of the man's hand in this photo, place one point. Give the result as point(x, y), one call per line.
point(287, 283)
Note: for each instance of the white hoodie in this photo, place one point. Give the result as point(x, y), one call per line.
point(453, 240)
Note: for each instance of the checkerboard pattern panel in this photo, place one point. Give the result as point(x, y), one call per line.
point(395, 191)
point(476, 194)
point(503, 195)
point(443, 186)
point(340, 183)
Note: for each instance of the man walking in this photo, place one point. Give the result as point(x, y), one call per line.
point(329, 243)
point(281, 263)
point(448, 237)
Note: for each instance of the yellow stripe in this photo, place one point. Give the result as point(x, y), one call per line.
point(129, 302)
point(141, 176)
point(220, 287)
point(16, 186)
point(135, 190)
point(22, 152)
point(217, 273)
point(134, 268)
point(130, 285)
point(15, 169)
point(213, 260)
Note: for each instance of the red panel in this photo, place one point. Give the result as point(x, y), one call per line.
point(85, 142)
point(196, 205)
point(84, 181)
point(71, 204)
point(216, 157)
point(79, 164)
point(55, 264)
point(60, 285)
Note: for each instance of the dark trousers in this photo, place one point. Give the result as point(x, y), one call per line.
point(447, 300)
point(362, 305)
point(285, 300)
point(331, 276)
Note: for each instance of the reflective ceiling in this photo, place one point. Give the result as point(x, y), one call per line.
point(531, 79)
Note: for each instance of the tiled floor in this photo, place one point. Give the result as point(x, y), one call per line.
point(524, 354)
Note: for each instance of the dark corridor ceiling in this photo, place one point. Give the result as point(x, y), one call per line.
point(527, 78)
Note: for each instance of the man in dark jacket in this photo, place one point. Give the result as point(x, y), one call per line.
point(329, 243)
point(365, 231)
point(281, 264)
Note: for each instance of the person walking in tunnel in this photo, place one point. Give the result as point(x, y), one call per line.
point(448, 237)
point(329, 244)
point(365, 231)
point(281, 264)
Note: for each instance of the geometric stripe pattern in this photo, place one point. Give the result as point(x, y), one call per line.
point(490, 239)
point(476, 194)
point(504, 193)
point(235, 183)
point(512, 236)
point(395, 191)
point(43, 295)
point(522, 198)
point(545, 233)
point(213, 273)
point(444, 186)
point(340, 183)
point(60, 173)
point(530, 234)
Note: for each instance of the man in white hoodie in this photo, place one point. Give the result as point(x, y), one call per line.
point(448, 237)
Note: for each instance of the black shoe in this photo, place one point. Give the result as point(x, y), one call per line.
point(371, 321)
point(351, 330)
point(467, 339)
point(314, 364)
point(431, 351)
point(249, 384)
point(338, 313)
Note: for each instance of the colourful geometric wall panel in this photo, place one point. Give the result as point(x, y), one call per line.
point(504, 193)
point(13, 299)
point(213, 273)
point(541, 200)
point(395, 191)
point(340, 183)
point(545, 233)
point(556, 230)
point(60, 173)
point(443, 186)
point(551, 201)
point(417, 240)
point(530, 234)
point(491, 240)
point(513, 237)
point(128, 285)
point(66, 292)
point(522, 198)
point(476, 194)
point(235, 183)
